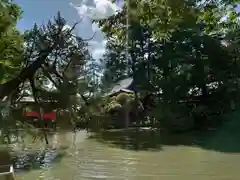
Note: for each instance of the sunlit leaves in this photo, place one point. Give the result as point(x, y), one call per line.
point(11, 42)
point(9, 14)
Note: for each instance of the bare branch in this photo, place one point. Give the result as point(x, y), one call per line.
point(89, 39)
point(53, 70)
point(74, 26)
point(68, 64)
point(49, 77)
point(28, 72)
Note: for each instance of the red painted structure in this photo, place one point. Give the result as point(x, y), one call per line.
point(49, 116)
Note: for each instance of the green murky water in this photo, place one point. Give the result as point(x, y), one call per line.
point(127, 156)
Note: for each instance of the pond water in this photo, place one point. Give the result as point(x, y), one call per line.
point(75, 156)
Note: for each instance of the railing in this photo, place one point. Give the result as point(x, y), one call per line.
point(51, 115)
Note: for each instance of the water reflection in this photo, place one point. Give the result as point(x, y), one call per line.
point(75, 156)
point(146, 139)
point(222, 140)
point(36, 160)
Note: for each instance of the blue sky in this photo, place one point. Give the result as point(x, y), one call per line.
point(40, 11)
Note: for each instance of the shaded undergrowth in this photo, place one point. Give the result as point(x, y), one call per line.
point(225, 138)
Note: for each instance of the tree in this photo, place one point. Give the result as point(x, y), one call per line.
point(11, 41)
point(50, 58)
point(11, 49)
point(41, 46)
point(175, 51)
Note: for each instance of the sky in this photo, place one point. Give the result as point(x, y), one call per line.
point(40, 11)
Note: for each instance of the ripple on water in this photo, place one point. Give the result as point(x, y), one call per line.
point(86, 159)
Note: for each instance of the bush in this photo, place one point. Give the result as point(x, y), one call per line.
point(124, 98)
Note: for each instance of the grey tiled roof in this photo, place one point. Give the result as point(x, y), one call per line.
point(122, 85)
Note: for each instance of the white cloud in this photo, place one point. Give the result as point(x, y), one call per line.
point(104, 42)
point(98, 53)
point(87, 11)
point(100, 9)
point(97, 48)
point(83, 10)
point(104, 8)
point(95, 27)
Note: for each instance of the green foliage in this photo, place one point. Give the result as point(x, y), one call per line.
point(124, 98)
point(10, 13)
point(113, 106)
point(180, 52)
point(177, 51)
point(11, 41)
point(51, 62)
point(118, 102)
point(57, 79)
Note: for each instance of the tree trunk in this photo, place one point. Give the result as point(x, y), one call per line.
point(7, 88)
point(126, 116)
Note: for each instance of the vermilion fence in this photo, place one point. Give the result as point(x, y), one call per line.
point(49, 116)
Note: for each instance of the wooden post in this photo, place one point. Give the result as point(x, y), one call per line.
point(42, 124)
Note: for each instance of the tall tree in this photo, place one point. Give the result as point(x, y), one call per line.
point(175, 49)
point(11, 41)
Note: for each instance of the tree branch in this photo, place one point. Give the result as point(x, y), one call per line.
point(29, 71)
point(34, 90)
